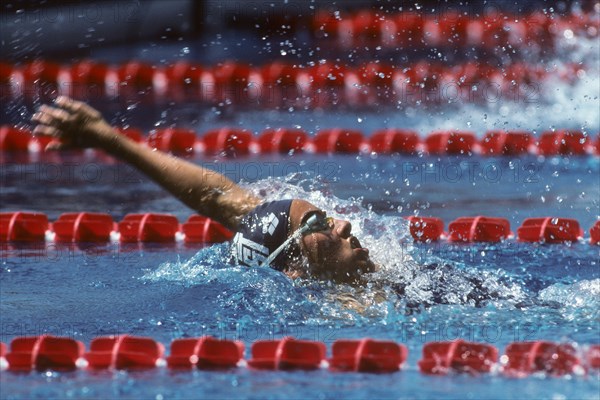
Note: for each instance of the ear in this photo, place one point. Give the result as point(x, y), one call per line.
point(293, 273)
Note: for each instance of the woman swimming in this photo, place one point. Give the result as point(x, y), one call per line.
point(292, 235)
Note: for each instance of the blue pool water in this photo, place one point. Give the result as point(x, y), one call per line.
point(492, 293)
point(166, 292)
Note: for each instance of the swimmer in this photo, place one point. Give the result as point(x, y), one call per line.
point(292, 236)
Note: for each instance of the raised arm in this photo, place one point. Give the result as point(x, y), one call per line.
point(76, 125)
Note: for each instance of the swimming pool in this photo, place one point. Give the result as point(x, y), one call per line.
point(167, 291)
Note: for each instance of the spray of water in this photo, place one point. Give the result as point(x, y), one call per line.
point(400, 287)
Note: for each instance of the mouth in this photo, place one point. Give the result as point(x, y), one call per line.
point(357, 247)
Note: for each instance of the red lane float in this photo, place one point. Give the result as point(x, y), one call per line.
point(425, 75)
point(173, 140)
point(233, 141)
point(425, 229)
point(287, 354)
point(595, 233)
point(417, 30)
point(14, 139)
point(6, 73)
point(280, 74)
point(39, 143)
point(228, 141)
point(525, 358)
point(43, 353)
point(479, 229)
point(205, 353)
point(231, 73)
point(40, 74)
point(377, 75)
point(136, 75)
point(153, 227)
point(149, 227)
point(338, 140)
point(83, 227)
point(123, 352)
point(366, 26)
point(132, 133)
point(367, 355)
point(439, 358)
point(233, 83)
point(185, 74)
point(89, 78)
point(201, 229)
point(328, 75)
point(506, 143)
point(283, 140)
point(23, 226)
point(450, 142)
point(364, 355)
point(312, 85)
point(549, 230)
point(563, 142)
point(593, 357)
point(389, 141)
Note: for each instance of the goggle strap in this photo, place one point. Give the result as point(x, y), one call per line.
point(306, 227)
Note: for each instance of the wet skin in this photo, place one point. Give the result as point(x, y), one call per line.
point(333, 253)
point(336, 254)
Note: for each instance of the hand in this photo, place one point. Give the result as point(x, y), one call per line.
point(72, 124)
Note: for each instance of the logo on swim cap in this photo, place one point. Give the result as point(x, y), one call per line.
point(269, 224)
point(248, 253)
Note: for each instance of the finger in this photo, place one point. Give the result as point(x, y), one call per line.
point(42, 118)
point(56, 145)
point(50, 116)
point(63, 101)
point(59, 115)
point(76, 107)
point(40, 112)
point(36, 117)
point(44, 108)
point(45, 130)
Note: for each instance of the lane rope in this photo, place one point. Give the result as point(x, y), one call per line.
point(28, 226)
point(232, 142)
point(520, 359)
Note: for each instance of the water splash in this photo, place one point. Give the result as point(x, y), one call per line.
point(400, 287)
point(582, 294)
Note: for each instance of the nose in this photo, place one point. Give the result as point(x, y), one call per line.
point(343, 228)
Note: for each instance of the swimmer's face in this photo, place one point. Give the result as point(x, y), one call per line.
point(334, 253)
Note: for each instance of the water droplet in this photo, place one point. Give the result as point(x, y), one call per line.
point(568, 34)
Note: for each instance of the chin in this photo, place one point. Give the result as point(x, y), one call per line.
point(367, 267)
